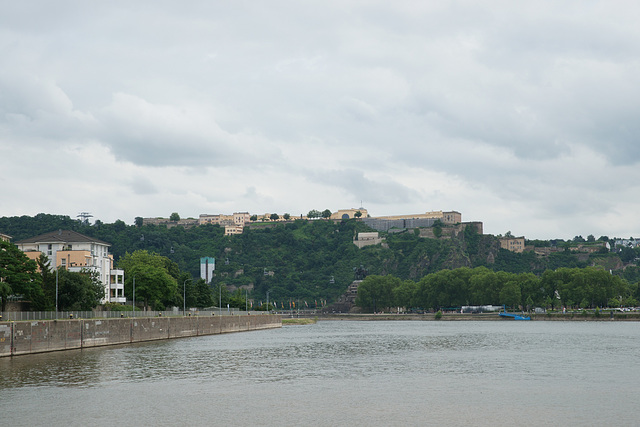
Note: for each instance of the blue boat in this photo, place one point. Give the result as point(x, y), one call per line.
point(512, 315)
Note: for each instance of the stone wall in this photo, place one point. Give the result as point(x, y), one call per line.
point(53, 335)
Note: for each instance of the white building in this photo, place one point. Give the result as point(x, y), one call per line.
point(77, 252)
point(207, 267)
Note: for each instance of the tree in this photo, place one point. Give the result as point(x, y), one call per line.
point(78, 291)
point(286, 216)
point(48, 281)
point(404, 294)
point(358, 214)
point(237, 300)
point(204, 296)
point(274, 217)
point(174, 217)
point(437, 228)
point(253, 218)
point(376, 292)
point(313, 213)
point(155, 278)
point(18, 276)
point(326, 213)
point(139, 221)
point(510, 294)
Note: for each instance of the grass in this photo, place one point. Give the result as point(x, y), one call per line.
point(299, 321)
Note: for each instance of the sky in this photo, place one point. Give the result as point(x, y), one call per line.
point(523, 116)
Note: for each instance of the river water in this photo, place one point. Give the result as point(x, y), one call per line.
point(353, 373)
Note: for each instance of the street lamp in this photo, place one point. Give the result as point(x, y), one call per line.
point(268, 302)
point(57, 292)
point(184, 297)
point(134, 295)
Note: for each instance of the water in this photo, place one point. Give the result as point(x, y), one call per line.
point(341, 373)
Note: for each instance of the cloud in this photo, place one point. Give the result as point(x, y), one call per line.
point(524, 116)
point(143, 186)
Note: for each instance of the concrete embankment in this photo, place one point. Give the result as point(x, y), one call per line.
point(18, 338)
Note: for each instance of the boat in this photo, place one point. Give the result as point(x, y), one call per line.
point(513, 316)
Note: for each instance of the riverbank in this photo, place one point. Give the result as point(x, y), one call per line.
point(603, 316)
point(28, 337)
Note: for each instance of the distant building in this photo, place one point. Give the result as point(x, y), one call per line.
point(367, 239)
point(451, 217)
point(423, 220)
point(590, 247)
point(230, 230)
point(233, 224)
point(207, 267)
point(186, 223)
point(5, 237)
point(77, 252)
point(627, 243)
point(237, 218)
point(349, 213)
point(513, 244)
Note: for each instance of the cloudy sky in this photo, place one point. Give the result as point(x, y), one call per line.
point(525, 117)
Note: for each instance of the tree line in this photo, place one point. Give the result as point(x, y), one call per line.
point(565, 287)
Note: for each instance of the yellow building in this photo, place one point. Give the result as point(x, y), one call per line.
point(232, 229)
point(513, 244)
point(349, 213)
point(238, 218)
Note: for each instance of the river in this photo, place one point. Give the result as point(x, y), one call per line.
point(353, 373)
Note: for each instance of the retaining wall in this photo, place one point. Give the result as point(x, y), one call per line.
point(53, 335)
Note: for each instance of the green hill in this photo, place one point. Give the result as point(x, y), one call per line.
point(310, 260)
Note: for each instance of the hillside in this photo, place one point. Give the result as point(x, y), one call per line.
point(310, 260)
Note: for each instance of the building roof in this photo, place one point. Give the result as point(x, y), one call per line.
point(62, 236)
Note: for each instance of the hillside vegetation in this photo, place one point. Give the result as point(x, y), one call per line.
point(310, 260)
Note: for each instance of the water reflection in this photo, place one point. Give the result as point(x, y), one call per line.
point(356, 373)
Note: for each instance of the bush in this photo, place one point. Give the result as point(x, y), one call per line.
point(112, 306)
point(439, 315)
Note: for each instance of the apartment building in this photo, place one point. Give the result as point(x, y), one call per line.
point(77, 252)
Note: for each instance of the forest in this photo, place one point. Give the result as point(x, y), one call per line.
point(315, 260)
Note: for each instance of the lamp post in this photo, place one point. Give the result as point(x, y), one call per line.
point(57, 292)
point(134, 295)
point(220, 298)
point(184, 297)
point(268, 302)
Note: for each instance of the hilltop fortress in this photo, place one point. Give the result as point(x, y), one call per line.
point(235, 223)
